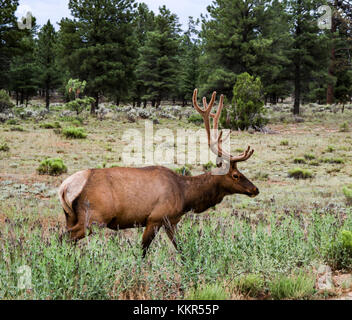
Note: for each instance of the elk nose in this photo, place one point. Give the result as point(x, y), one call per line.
point(255, 191)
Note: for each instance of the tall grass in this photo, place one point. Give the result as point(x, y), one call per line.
point(108, 265)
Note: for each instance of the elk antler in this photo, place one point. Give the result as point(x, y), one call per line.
point(215, 143)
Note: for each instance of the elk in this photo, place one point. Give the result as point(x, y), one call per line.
point(151, 197)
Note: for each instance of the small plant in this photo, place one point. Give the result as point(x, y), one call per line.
point(299, 160)
point(348, 194)
point(48, 125)
point(74, 133)
point(5, 101)
point(79, 105)
point(299, 173)
point(207, 292)
point(333, 160)
point(4, 147)
point(292, 287)
point(284, 143)
point(196, 119)
point(208, 166)
point(17, 128)
point(339, 252)
point(330, 149)
point(184, 171)
point(12, 122)
point(309, 156)
point(52, 167)
point(344, 127)
point(252, 285)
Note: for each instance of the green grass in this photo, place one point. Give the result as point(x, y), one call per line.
point(4, 147)
point(74, 133)
point(52, 167)
point(347, 191)
point(299, 173)
point(207, 292)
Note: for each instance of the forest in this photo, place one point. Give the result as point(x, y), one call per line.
point(127, 53)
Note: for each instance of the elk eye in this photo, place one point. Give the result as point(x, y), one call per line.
point(236, 176)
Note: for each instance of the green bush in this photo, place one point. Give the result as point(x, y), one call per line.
point(284, 143)
point(5, 101)
point(208, 166)
point(184, 171)
point(4, 147)
point(251, 285)
point(12, 122)
point(207, 292)
point(78, 105)
point(339, 253)
point(330, 149)
point(333, 160)
point(299, 173)
point(309, 156)
point(48, 125)
point(196, 119)
point(348, 194)
point(292, 287)
point(17, 128)
point(344, 127)
point(299, 160)
point(74, 133)
point(248, 106)
point(52, 167)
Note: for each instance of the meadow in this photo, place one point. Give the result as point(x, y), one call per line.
point(274, 246)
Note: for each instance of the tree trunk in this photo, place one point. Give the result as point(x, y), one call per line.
point(22, 97)
point(47, 96)
point(144, 104)
point(95, 105)
point(297, 89)
point(330, 89)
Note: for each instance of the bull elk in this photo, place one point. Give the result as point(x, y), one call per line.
point(151, 197)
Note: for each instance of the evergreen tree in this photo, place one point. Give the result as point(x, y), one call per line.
point(46, 59)
point(99, 44)
point(189, 62)
point(158, 64)
point(10, 37)
point(308, 52)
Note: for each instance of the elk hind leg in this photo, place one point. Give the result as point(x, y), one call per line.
point(149, 234)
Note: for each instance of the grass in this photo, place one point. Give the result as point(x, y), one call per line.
point(52, 167)
point(242, 248)
point(74, 133)
point(4, 147)
point(299, 173)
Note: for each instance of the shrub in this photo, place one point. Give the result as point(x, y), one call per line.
point(4, 147)
point(55, 125)
point(17, 128)
point(184, 171)
point(52, 167)
point(284, 143)
point(74, 133)
point(252, 285)
point(292, 287)
point(196, 119)
point(208, 166)
point(12, 122)
point(339, 253)
point(344, 127)
point(207, 292)
point(348, 194)
point(248, 106)
point(299, 160)
point(330, 149)
point(309, 156)
point(333, 160)
point(78, 105)
point(5, 101)
point(299, 173)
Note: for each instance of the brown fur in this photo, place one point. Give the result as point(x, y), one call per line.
point(151, 197)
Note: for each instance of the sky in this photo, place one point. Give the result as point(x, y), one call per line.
point(57, 9)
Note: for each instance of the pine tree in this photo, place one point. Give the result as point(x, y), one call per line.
point(308, 52)
point(99, 45)
point(46, 59)
point(158, 65)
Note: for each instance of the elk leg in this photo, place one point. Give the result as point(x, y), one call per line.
point(77, 232)
point(149, 234)
point(170, 231)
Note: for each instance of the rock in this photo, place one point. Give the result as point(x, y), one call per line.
point(324, 281)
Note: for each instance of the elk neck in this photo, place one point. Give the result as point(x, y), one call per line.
point(201, 192)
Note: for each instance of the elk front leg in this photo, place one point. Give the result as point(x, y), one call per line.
point(149, 234)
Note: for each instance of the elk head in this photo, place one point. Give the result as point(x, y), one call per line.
point(233, 181)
